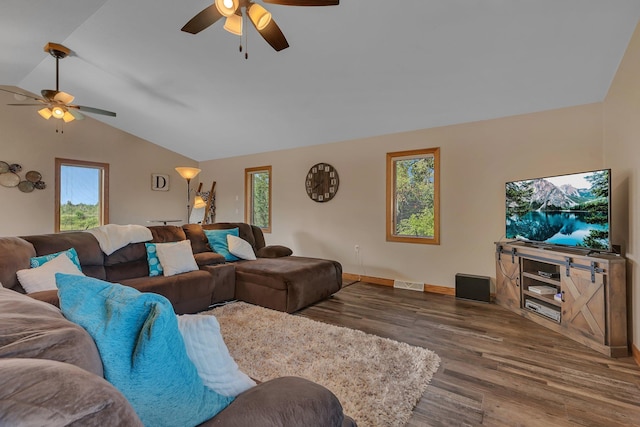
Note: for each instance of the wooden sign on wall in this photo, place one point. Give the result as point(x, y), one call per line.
point(159, 182)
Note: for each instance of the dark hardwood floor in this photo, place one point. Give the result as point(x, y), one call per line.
point(497, 368)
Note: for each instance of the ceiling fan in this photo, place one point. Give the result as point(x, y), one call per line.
point(56, 103)
point(258, 15)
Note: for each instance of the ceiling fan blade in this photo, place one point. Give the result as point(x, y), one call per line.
point(273, 35)
point(202, 20)
point(64, 97)
point(25, 105)
point(22, 94)
point(304, 2)
point(93, 110)
point(49, 94)
point(75, 113)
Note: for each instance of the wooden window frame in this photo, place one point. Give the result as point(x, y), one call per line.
point(391, 196)
point(248, 194)
point(104, 187)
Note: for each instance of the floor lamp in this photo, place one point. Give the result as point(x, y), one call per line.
point(188, 174)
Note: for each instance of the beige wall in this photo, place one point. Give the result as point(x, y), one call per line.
point(32, 142)
point(476, 161)
point(622, 154)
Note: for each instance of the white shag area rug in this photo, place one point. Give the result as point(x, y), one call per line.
point(378, 380)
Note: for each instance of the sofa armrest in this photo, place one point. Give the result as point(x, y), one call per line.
point(39, 392)
point(284, 401)
point(208, 258)
point(273, 251)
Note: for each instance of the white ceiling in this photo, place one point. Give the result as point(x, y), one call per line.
point(363, 68)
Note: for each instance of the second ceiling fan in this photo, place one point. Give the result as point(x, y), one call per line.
point(261, 19)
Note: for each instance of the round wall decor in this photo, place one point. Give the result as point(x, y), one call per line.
point(9, 178)
point(321, 182)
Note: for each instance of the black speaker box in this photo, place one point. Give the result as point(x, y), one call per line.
point(476, 288)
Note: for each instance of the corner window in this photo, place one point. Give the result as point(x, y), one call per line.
point(82, 195)
point(258, 197)
point(413, 196)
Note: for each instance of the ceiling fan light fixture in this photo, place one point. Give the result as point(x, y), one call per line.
point(58, 112)
point(68, 117)
point(227, 7)
point(233, 24)
point(63, 97)
point(45, 113)
point(259, 16)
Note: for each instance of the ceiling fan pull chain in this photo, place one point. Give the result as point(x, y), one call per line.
point(246, 35)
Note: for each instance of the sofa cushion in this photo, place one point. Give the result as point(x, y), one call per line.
point(208, 352)
point(195, 233)
point(89, 253)
point(284, 401)
point(208, 258)
point(15, 254)
point(176, 257)
point(43, 278)
point(50, 393)
point(142, 351)
point(189, 292)
point(127, 262)
point(70, 253)
point(288, 283)
point(34, 329)
point(245, 231)
point(155, 268)
point(167, 233)
point(274, 251)
point(240, 248)
point(218, 241)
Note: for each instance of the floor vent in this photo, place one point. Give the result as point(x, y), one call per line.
point(412, 286)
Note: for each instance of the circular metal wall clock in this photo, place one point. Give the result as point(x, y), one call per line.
point(322, 182)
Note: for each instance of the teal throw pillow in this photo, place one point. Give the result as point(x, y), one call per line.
point(218, 242)
point(40, 260)
point(155, 268)
point(142, 350)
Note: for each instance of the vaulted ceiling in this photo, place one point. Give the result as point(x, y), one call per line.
point(363, 68)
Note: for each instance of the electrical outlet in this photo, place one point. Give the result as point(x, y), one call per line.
point(356, 248)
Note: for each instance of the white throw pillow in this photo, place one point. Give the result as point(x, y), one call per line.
point(240, 247)
point(43, 278)
point(207, 350)
point(176, 258)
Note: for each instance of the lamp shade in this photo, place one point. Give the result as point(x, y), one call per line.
point(187, 172)
point(199, 203)
point(227, 7)
point(233, 24)
point(259, 16)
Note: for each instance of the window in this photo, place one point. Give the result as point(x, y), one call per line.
point(82, 195)
point(258, 197)
point(413, 196)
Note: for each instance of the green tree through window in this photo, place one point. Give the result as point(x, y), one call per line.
point(81, 194)
point(258, 197)
point(413, 196)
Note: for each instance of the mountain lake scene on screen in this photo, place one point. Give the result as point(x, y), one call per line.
point(570, 210)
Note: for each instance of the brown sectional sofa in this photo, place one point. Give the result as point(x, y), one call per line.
point(275, 280)
point(52, 375)
point(50, 368)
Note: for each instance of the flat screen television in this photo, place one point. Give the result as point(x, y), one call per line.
point(567, 210)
